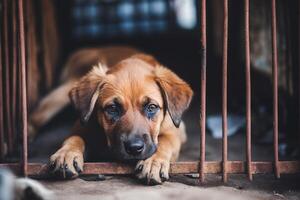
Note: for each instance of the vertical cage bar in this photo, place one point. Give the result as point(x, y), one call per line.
point(224, 91)
point(14, 69)
point(299, 73)
point(275, 88)
point(203, 90)
point(23, 85)
point(6, 68)
point(1, 101)
point(248, 90)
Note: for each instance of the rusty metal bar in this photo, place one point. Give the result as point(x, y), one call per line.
point(23, 81)
point(210, 167)
point(248, 90)
point(1, 102)
point(224, 91)
point(298, 73)
point(203, 91)
point(14, 70)
point(275, 88)
point(6, 68)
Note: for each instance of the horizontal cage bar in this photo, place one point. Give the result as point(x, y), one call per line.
point(210, 167)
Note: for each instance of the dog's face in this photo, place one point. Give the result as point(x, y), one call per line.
point(131, 101)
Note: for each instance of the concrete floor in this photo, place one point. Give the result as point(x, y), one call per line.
point(180, 187)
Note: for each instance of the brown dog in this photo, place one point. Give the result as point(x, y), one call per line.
point(130, 109)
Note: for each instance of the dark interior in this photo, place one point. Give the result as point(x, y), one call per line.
point(179, 49)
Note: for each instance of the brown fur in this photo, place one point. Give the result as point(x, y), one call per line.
point(132, 83)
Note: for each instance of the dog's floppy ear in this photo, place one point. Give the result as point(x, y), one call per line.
point(177, 94)
point(85, 93)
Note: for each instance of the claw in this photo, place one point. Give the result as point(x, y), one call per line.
point(153, 171)
point(69, 173)
point(163, 177)
point(139, 168)
point(51, 166)
point(66, 165)
point(77, 168)
point(62, 168)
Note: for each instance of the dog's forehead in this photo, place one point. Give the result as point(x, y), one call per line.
point(132, 72)
point(134, 79)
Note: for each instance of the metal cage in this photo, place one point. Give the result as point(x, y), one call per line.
point(13, 104)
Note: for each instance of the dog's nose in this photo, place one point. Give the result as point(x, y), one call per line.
point(134, 146)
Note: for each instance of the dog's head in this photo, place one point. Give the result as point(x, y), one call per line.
point(131, 101)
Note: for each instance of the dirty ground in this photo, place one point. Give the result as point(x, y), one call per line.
point(180, 187)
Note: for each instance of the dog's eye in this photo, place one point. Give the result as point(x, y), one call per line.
point(113, 110)
point(151, 110)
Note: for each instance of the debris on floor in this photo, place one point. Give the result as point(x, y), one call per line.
point(94, 177)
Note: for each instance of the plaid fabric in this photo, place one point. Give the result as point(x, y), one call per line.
point(108, 18)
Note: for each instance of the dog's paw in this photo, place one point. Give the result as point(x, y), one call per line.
point(66, 163)
point(153, 171)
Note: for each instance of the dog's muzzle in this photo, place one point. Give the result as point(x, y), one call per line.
point(134, 147)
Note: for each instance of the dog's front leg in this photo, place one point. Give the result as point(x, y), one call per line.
point(155, 169)
point(67, 162)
